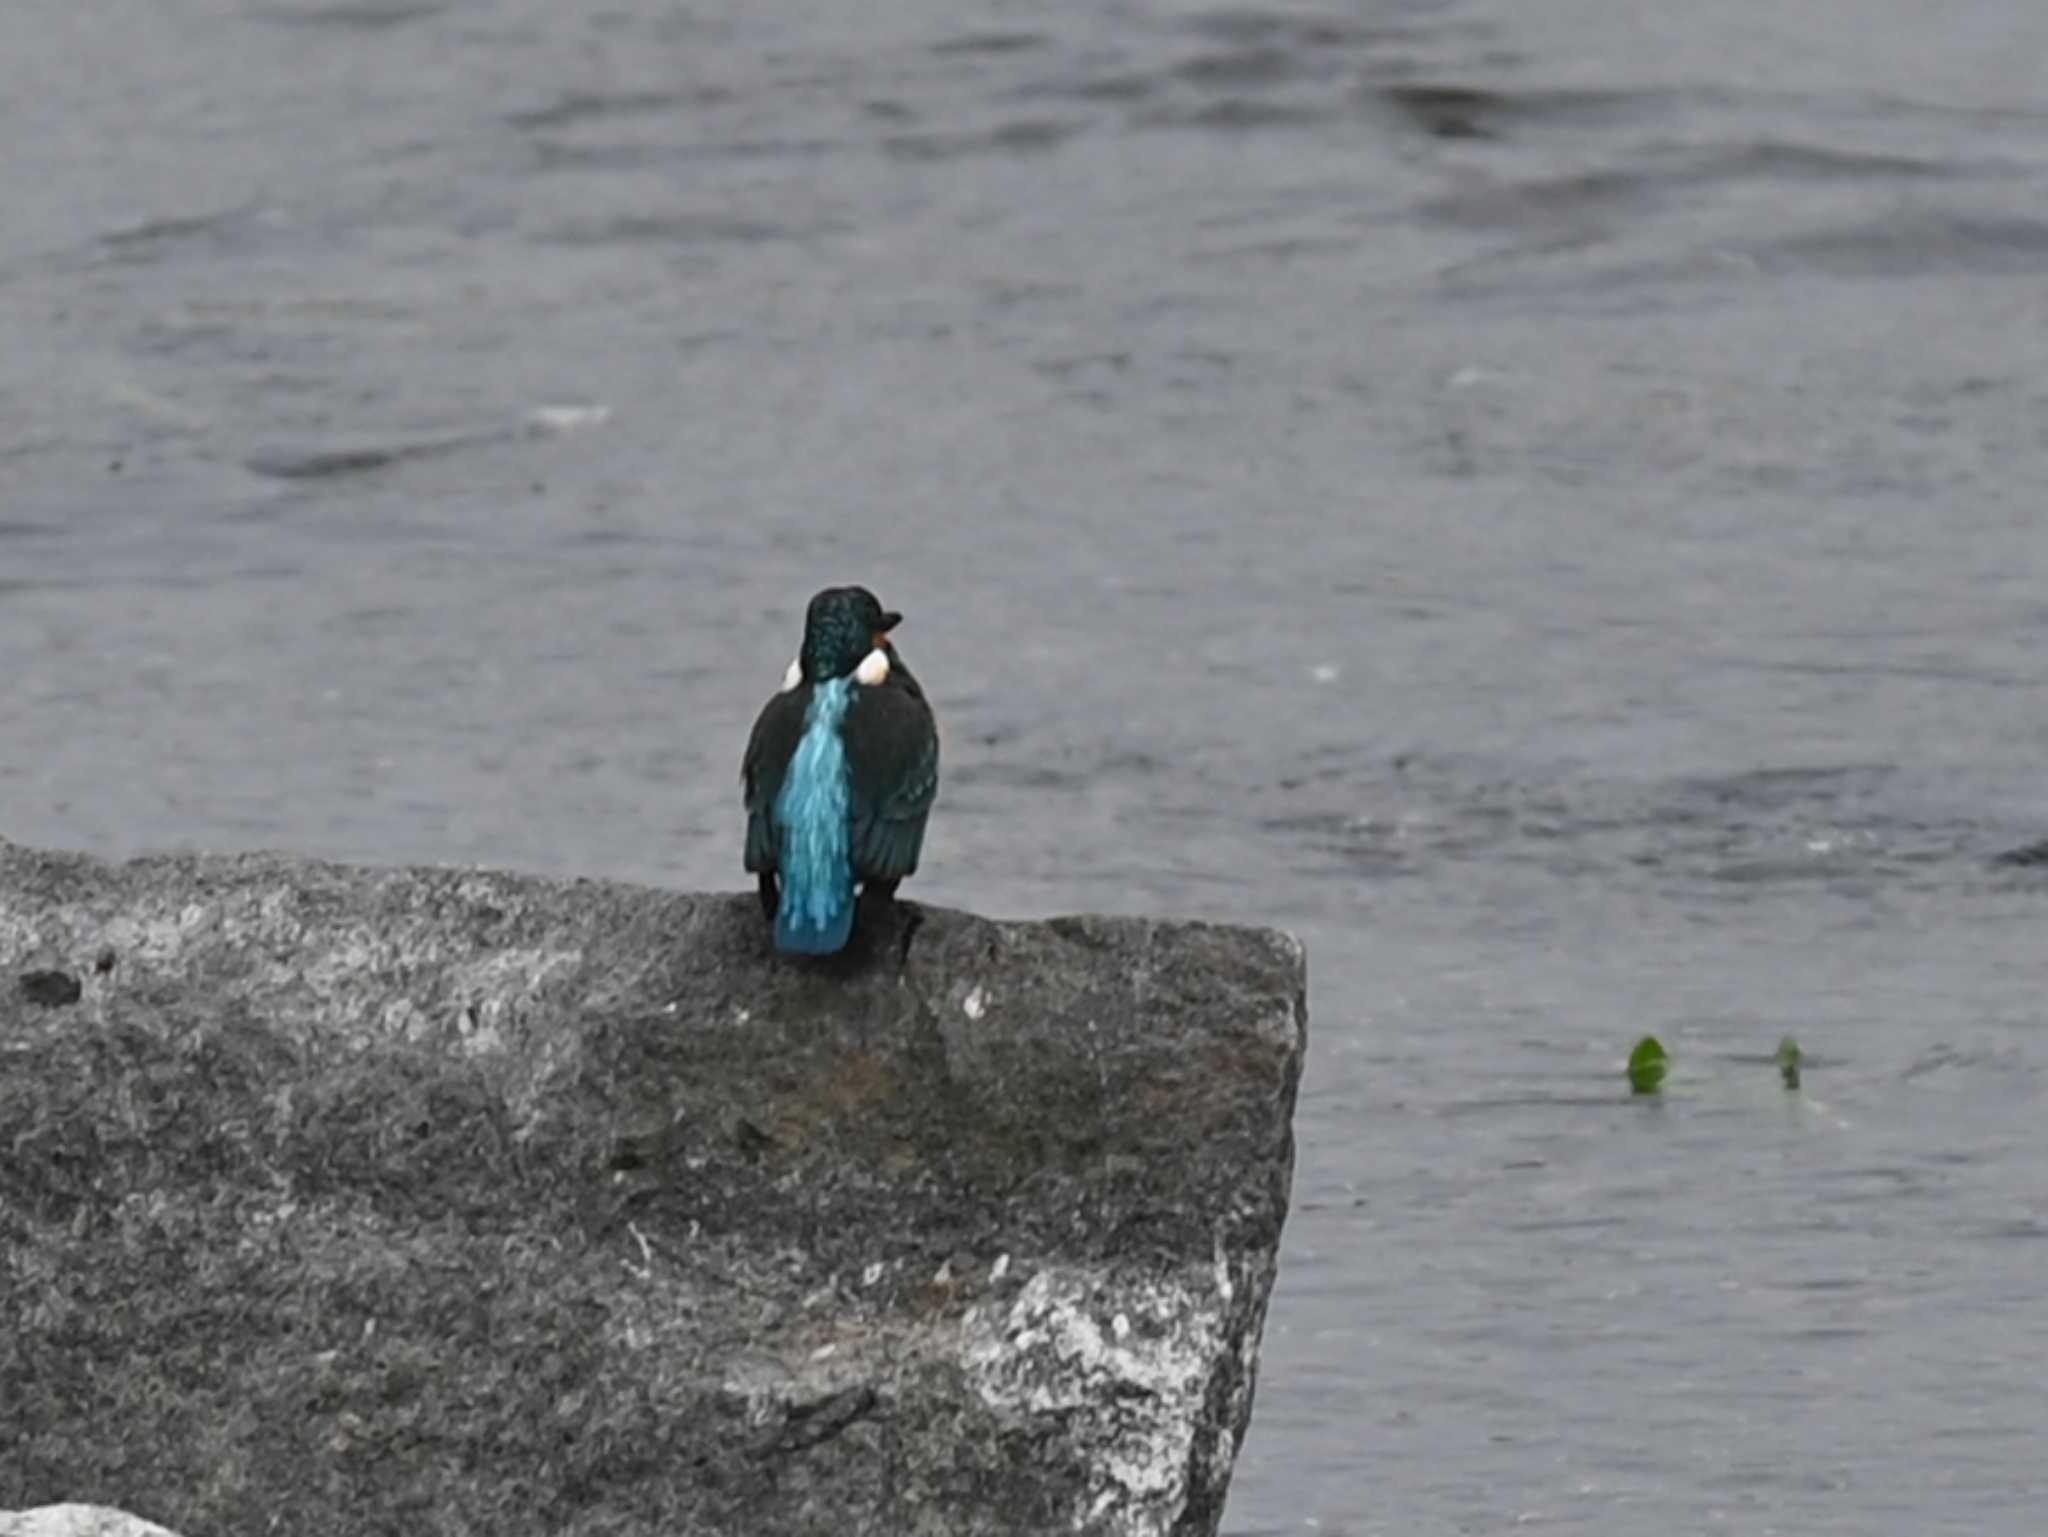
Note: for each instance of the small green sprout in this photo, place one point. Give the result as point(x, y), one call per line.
point(1789, 1057)
point(1646, 1065)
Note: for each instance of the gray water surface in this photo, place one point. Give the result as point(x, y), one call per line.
point(1546, 502)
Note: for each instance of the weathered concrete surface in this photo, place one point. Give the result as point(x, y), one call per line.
point(358, 1200)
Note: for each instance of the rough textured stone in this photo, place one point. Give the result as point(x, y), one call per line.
point(365, 1199)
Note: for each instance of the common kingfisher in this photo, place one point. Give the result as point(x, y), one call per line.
point(839, 774)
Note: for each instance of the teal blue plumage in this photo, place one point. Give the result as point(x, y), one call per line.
point(839, 774)
point(815, 913)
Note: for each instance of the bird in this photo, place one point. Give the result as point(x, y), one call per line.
point(839, 775)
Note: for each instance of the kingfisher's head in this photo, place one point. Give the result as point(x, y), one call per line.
point(841, 627)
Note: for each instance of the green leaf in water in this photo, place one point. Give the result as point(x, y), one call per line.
point(1789, 1056)
point(1646, 1065)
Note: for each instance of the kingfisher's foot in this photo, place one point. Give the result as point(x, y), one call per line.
point(910, 918)
point(771, 895)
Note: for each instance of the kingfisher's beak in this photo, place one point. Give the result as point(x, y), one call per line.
point(888, 623)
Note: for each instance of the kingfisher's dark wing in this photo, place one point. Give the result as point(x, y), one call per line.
point(769, 750)
point(892, 760)
point(899, 675)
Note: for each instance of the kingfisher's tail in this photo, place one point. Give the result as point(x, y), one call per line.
point(816, 914)
point(816, 917)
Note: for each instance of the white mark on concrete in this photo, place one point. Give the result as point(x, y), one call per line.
point(1142, 1389)
point(645, 1269)
point(872, 1274)
point(1000, 1269)
point(567, 418)
point(976, 1004)
point(73, 1520)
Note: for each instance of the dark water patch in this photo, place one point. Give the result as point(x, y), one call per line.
point(1815, 866)
point(297, 464)
point(373, 616)
point(2028, 856)
point(1932, 671)
point(1572, 199)
point(1130, 762)
point(1026, 136)
point(1940, 1060)
point(1003, 774)
point(582, 107)
point(1891, 249)
point(990, 42)
point(608, 538)
point(1285, 248)
point(147, 241)
point(1266, 54)
point(559, 155)
point(684, 229)
point(1447, 111)
point(1788, 160)
point(1236, 115)
point(1043, 774)
point(1543, 201)
point(1916, 245)
point(1020, 294)
point(766, 148)
point(1891, 108)
point(1241, 69)
point(1066, 368)
point(1777, 789)
point(354, 15)
point(1598, 1224)
point(1126, 87)
point(1490, 1104)
point(2025, 1229)
point(1245, 26)
point(1239, 24)
point(1701, 839)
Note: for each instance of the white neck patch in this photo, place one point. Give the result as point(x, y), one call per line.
point(873, 670)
